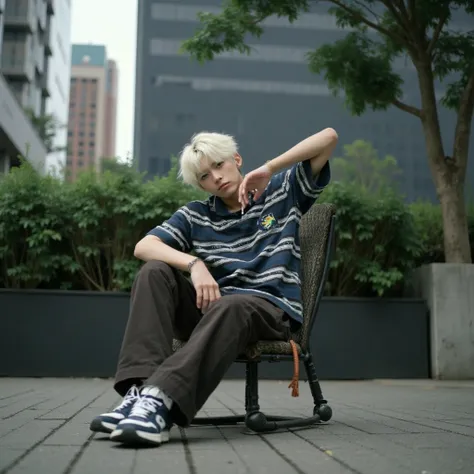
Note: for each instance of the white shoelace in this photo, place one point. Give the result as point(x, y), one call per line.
point(132, 395)
point(145, 406)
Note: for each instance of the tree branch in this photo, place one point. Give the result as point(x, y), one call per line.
point(390, 6)
point(408, 108)
point(365, 7)
point(463, 125)
point(436, 33)
point(374, 26)
point(412, 9)
point(403, 10)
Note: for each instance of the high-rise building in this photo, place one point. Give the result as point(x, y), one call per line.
point(110, 109)
point(58, 74)
point(34, 40)
point(92, 108)
point(268, 100)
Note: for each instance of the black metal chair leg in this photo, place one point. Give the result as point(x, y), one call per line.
point(321, 407)
point(257, 421)
point(251, 388)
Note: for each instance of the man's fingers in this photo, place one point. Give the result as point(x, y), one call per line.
point(242, 187)
point(245, 191)
point(210, 294)
point(244, 200)
point(199, 297)
point(216, 293)
point(205, 298)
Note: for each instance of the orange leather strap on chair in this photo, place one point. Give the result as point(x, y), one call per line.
point(296, 371)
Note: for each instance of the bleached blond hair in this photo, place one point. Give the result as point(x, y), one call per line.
point(212, 146)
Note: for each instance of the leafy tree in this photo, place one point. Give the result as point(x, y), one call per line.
point(361, 65)
point(362, 166)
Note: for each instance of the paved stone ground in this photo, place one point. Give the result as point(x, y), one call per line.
point(379, 427)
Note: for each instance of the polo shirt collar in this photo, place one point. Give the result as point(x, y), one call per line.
point(217, 205)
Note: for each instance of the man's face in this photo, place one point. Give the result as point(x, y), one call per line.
point(222, 178)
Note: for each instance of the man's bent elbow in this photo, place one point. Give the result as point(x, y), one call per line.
point(142, 246)
point(332, 135)
point(138, 252)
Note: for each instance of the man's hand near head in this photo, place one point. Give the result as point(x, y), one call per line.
point(317, 148)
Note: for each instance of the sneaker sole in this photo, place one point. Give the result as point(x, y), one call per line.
point(131, 436)
point(99, 426)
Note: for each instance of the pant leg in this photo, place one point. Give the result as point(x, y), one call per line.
point(191, 374)
point(162, 305)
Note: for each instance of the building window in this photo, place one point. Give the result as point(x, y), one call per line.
point(189, 13)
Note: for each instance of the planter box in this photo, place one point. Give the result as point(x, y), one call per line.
point(449, 291)
point(78, 334)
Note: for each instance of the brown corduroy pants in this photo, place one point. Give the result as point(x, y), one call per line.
point(163, 306)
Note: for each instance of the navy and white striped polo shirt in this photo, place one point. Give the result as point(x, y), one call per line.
point(256, 253)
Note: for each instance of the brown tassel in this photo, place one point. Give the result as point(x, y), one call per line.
point(296, 371)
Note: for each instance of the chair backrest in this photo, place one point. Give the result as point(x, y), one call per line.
point(316, 243)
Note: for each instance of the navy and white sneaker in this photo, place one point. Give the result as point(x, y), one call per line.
point(107, 422)
point(149, 421)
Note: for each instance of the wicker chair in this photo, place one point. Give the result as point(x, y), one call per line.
point(316, 240)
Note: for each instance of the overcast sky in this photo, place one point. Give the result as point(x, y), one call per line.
point(112, 23)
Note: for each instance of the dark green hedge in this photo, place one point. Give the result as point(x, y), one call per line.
point(81, 235)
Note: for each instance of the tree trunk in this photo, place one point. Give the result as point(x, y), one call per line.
point(455, 228)
point(449, 173)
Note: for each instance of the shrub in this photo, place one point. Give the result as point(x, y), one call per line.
point(81, 235)
point(376, 241)
point(34, 217)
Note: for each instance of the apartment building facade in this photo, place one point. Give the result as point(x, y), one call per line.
point(58, 75)
point(268, 100)
point(92, 108)
point(30, 59)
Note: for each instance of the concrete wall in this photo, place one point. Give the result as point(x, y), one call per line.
point(78, 334)
point(449, 292)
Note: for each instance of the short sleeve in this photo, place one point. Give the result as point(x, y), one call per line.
point(176, 231)
point(307, 187)
point(303, 188)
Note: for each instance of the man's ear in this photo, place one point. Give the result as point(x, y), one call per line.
point(238, 160)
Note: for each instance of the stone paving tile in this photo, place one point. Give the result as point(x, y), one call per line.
point(378, 427)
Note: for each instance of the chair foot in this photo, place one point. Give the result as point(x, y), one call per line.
point(261, 423)
point(324, 411)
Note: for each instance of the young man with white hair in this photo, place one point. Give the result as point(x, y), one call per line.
point(244, 281)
